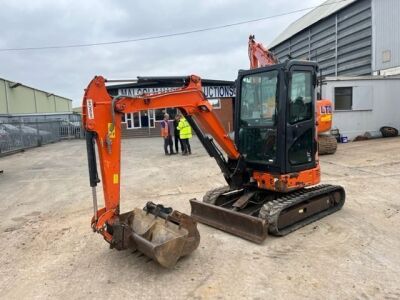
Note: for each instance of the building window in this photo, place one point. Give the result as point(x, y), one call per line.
point(128, 119)
point(343, 98)
point(139, 119)
point(172, 112)
point(123, 118)
point(136, 119)
point(159, 113)
point(216, 103)
point(151, 118)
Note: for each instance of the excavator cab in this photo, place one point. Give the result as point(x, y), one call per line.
point(275, 117)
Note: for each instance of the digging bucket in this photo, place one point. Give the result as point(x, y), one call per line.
point(165, 238)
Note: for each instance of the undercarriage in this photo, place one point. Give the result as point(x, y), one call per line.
point(253, 213)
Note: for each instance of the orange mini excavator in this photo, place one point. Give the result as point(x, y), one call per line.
point(271, 165)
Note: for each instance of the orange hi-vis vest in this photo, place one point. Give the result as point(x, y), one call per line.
point(165, 129)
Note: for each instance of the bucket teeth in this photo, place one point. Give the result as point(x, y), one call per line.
point(162, 237)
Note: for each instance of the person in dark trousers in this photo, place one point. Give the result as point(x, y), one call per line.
point(185, 133)
point(176, 134)
point(166, 133)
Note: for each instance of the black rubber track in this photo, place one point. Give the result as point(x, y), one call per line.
point(211, 196)
point(272, 209)
point(327, 144)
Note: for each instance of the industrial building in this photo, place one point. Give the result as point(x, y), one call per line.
point(220, 94)
point(357, 46)
point(364, 103)
point(31, 117)
point(17, 99)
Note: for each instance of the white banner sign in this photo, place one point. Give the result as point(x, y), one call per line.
point(210, 91)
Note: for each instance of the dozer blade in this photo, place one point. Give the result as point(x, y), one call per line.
point(161, 234)
point(246, 226)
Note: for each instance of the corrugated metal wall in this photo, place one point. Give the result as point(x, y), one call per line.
point(386, 18)
point(341, 43)
point(22, 99)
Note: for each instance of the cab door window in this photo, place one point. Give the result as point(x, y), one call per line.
point(258, 108)
point(300, 97)
point(301, 103)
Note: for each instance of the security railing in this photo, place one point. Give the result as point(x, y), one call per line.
point(16, 135)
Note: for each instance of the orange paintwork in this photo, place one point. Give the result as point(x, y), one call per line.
point(97, 116)
point(259, 55)
point(324, 115)
point(287, 182)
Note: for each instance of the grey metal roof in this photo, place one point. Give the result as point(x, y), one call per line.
point(32, 88)
point(324, 10)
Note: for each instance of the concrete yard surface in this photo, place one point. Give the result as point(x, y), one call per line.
point(48, 249)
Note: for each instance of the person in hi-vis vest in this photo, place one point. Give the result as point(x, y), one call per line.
point(185, 133)
point(167, 129)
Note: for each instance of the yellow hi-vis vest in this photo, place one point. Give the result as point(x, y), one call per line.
point(185, 131)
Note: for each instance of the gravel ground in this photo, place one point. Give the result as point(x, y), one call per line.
point(49, 251)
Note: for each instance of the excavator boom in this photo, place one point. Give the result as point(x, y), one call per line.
point(158, 232)
point(259, 55)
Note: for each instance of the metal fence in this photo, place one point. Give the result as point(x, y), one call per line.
point(71, 130)
point(16, 135)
